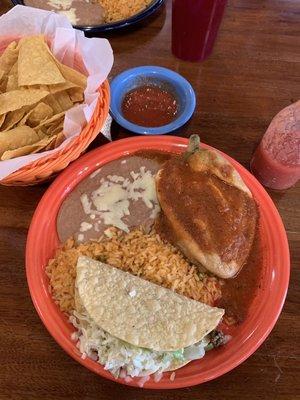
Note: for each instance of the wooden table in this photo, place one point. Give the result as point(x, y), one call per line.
point(252, 74)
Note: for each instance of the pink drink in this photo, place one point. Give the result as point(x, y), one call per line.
point(276, 161)
point(195, 25)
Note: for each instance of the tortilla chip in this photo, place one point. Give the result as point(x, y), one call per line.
point(3, 82)
point(59, 139)
point(38, 114)
point(61, 87)
point(9, 57)
point(17, 137)
point(56, 127)
point(51, 145)
point(42, 134)
point(12, 78)
point(12, 118)
point(14, 69)
point(64, 100)
point(12, 83)
point(36, 65)
point(40, 87)
point(35, 92)
point(25, 150)
point(44, 142)
point(21, 151)
point(16, 99)
point(59, 102)
point(72, 75)
point(76, 94)
point(56, 141)
point(51, 101)
point(57, 117)
point(2, 118)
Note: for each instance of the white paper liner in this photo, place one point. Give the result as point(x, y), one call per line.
point(96, 54)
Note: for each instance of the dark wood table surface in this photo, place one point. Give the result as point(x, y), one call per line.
point(253, 73)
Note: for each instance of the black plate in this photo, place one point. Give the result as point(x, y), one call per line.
point(115, 25)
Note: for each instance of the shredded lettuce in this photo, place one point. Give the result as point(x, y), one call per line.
point(178, 355)
point(118, 356)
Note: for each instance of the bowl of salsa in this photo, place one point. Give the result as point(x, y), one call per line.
point(151, 100)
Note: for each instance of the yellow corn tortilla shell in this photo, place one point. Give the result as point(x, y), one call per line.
point(16, 99)
point(152, 316)
point(175, 364)
point(36, 65)
point(25, 150)
point(9, 57)
point(17, 137)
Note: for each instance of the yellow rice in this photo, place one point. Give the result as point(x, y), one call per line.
point(141, 254)
point(116, 10)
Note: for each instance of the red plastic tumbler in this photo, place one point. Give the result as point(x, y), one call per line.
point(195, 24)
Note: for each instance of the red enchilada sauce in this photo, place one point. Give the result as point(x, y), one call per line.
point(221, 218)
point(149, 106)
point(238, 292)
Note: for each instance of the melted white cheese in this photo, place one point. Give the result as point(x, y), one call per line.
point(60, 4)
point(86, 204)
point(80, 237)
point(85, 226)
point(71, 15)
point(111, 200)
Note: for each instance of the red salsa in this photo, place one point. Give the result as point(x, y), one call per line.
point(149, 106)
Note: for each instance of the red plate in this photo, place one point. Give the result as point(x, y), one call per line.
point(246, 338)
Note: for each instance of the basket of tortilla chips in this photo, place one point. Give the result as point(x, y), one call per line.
point(49, 111)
